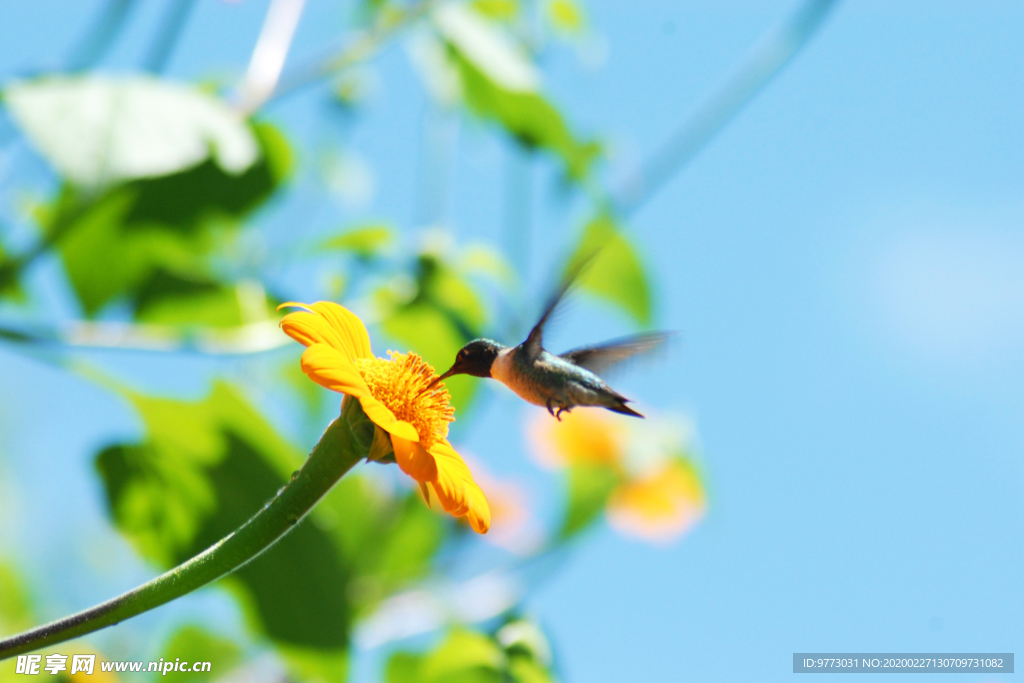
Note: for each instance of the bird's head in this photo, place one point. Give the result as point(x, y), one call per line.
point(475, 358)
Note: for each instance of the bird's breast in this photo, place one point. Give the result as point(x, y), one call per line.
point(504, 370)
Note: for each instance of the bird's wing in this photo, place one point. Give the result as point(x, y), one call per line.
point(600, 357)
point(534, 342)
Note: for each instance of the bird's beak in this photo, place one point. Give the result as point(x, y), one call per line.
point(453, 370)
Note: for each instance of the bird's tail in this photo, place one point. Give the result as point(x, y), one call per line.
point(620, 407)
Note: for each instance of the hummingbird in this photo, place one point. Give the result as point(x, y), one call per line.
point(559, 383)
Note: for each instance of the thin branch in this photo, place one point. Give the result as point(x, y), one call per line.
point(213, 341)
point(338, 451)
point(766, 59)
point(271, 50)
point(101, 35)
point(361, 48)
point(170, 31)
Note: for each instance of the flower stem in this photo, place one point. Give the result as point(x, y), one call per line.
point(339, 449)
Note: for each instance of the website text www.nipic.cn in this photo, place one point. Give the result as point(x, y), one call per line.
point(32, 665)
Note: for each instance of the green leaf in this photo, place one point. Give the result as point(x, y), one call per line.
point(590, 486)
point(525, 670)
point(464, 657)
point(153, 238)
point(389, 542)
point(196, 644)
point(412, 539)
point(523, 638)
point(98, 130)
point(427, 330)
point(499, 10)
point(616, 273)
point(403, 667)
point(528, 117)
point(10, 284)
point(503, 61)
point(169, 299)
point(501, 85)
point(203, 469)
point(365, 242)
point(15, 602)
point(311, 664)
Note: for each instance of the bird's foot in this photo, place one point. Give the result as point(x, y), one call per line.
point(562, 409)
point(551, 409)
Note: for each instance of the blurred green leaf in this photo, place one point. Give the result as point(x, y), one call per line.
point(98, 130)
point(590, 486)
point(204, 468)
point(525, 670)
point(427, 330)
point(616, 273)
point(15, 602)
point(388, 542)
point(500, 83)
point(523, 638)
point(403, 667)
point(500, 10)
point(196, 644)
point(169, 299)
point(151, 239)
point(464, 657)
point(412, 539)
point(488, 46)
point(528, 117)
point(312, 397)
point(489, 263)
point(312, 664)
point(10, 283)
point(365, 242)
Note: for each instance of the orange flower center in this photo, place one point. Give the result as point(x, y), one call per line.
point(400, 382)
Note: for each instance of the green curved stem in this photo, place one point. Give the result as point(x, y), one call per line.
point(338, 451)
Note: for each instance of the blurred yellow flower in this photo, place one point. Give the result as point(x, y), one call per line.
point(581, 437)
point(393, 394)
point(658, 495)
point(659, 506)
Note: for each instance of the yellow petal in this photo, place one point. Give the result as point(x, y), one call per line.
point(333, 370)
point(456, 491)
point(479, 514)
point(414, 460)
point(382, 416)
point(328, 323)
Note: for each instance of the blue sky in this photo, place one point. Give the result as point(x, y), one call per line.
point(844, 261)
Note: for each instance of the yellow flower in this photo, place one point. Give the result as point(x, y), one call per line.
point(658, 495)
point(392, 392)
point(659, 506)
point(580, 437)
